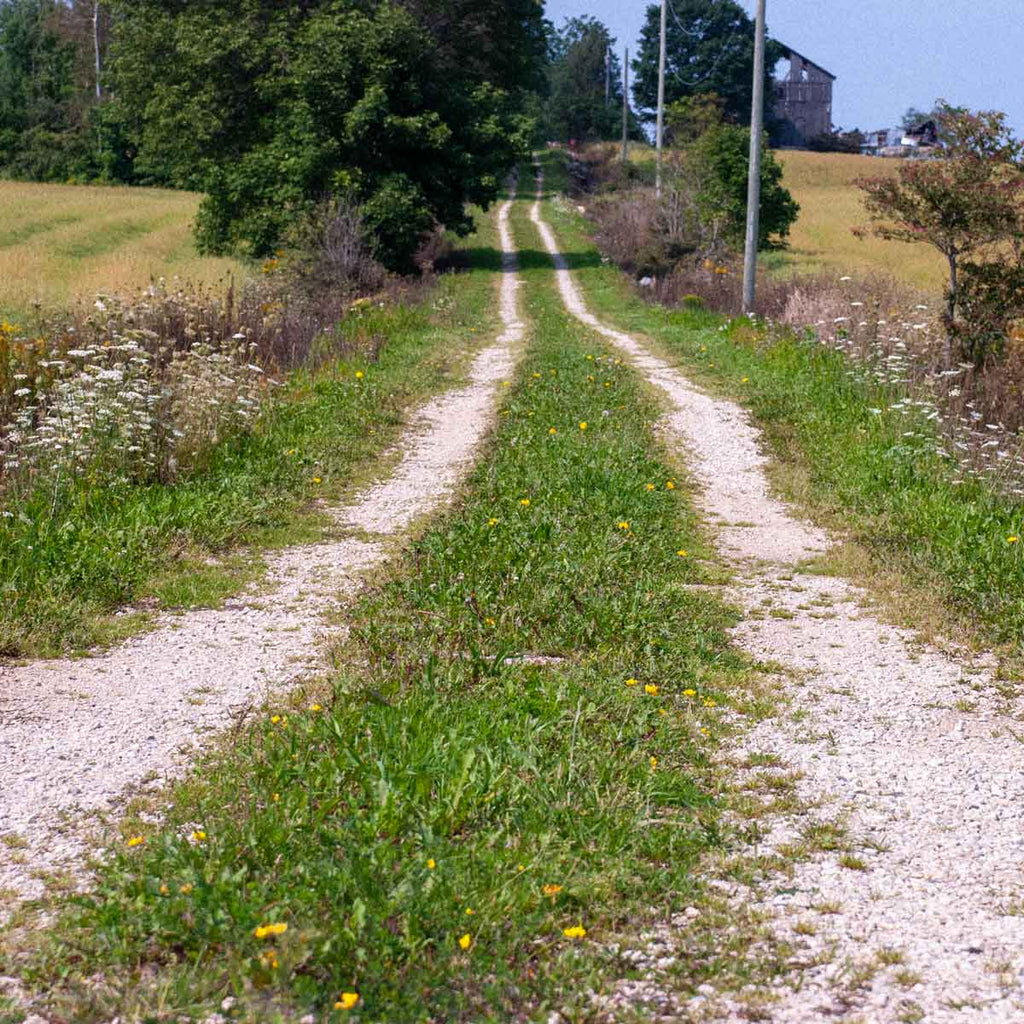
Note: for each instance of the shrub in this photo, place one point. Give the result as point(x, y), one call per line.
point(725, 151)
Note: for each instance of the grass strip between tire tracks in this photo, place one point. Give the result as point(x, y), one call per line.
point(440, 824)
point(863, 469)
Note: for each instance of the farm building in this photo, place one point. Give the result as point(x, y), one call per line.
point(803, 100)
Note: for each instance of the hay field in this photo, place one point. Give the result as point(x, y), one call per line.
point(830, 206)
point(59, 243)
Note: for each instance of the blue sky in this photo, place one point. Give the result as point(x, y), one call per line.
point(887, 54)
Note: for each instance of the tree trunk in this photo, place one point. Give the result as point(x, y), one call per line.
point(96, 44)
point(951, 297)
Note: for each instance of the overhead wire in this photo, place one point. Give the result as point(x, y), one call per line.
point(714, 66)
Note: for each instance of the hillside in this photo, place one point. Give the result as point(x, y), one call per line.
point(830, 205)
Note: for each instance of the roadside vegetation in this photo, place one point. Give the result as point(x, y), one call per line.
point(146, 440)
point(508, 766)
point(928, 488)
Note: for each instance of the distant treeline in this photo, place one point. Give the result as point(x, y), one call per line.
point(404, 110)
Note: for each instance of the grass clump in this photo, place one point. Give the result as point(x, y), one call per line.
point(510, 761)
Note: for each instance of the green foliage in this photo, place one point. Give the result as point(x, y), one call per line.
point(689, 117)
point(725, 151)
point(709, 48)
point(44, 103)
point(270, 108)
point(576, 107)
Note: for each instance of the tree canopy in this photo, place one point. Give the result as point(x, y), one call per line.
point(407, 109)
point(581, 60)
point(709, 47)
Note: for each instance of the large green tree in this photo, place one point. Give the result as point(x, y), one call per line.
point(269, 107)
point(581, 64)
point(709, 48)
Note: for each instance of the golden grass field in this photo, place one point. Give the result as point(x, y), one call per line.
point(59, 243)
point(830, 205)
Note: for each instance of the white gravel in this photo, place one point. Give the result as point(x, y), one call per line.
point(932, 796)
point(77, 735)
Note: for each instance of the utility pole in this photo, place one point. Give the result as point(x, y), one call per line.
point(661, 95)
point(754, 178)
point(625, 107)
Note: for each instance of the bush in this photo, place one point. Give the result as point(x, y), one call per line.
point(725, 151)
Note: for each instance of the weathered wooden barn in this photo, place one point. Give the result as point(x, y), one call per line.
point(803, 100)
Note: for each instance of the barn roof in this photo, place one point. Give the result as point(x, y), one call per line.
point(788, 51)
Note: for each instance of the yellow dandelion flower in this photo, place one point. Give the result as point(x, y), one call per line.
point(670, 485)
point(275, 719)
point(662, 711)
point(624, 525)
point(492, 522)
point(466, 941)
point(631, 682)
point(317, 480)
point(347, 1001)
point(551, 890)
point(489, 622)
point(470, 911)
point(689, 693)
point(198, 836)
point(185, 889)
point(745, 380)
point(583, 424)
point(577, 931)
point(359, 374)
point(315, 707)
point(682, 552)
point(650, 487)
point(654, 763)
point(651, 690)
point(520, 867)
point(431, 864)
point(525, 502)
point(590, 357)
point(551, 430)
point(265, 931)
point(164, 890)
point(1012, 540)
point(275, 797)
point(136, 840)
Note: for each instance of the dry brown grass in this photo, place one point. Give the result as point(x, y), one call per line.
point(63, 242)
point(830, 205)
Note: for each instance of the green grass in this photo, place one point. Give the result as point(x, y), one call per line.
point(850, 466)
point(66, 562)
point(441, 781)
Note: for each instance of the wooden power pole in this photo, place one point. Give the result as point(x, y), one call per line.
point(625, 107)
point(754, 175)
point(661, 96)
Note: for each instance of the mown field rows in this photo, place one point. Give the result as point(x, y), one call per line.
point(59, 243)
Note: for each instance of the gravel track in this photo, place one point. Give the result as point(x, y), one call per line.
point(931, 794)
point(78, 736)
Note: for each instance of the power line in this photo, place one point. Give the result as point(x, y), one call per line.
point(717, 61)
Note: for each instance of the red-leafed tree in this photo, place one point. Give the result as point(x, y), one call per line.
point(968, 203)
